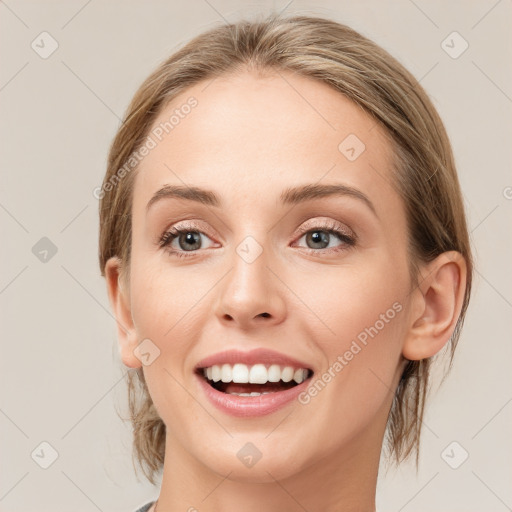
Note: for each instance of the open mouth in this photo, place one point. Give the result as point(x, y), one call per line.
point(255, 380)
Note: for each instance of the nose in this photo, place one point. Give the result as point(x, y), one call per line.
point(251, 294)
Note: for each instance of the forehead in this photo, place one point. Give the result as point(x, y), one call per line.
point(252, 136)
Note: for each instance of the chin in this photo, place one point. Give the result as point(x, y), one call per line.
point(254, 462)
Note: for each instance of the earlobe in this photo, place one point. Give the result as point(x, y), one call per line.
point(437, 303)
point(119, 298)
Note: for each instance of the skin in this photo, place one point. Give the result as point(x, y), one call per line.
point(249, 138)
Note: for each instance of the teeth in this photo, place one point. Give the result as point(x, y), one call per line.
point(256, 374)
point(254, 393)
point(300, 375)
point(240, 373)
point(226, 373)
point(274, 373)
point(287, 374)
point(216, 373)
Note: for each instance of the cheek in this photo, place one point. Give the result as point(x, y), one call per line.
point(359, 326)
point(343, 301)
point(166, 305)
point(165, 298)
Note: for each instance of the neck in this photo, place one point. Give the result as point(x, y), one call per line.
point(344, 480)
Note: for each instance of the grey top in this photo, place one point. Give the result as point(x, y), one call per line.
point(146, 507)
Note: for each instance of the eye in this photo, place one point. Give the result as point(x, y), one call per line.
point(185, 241)
point(320, 236)
point(188, 240)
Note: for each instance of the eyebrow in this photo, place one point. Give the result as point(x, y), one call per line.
point(289, 196)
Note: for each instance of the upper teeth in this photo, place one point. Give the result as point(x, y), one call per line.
point(256, 374)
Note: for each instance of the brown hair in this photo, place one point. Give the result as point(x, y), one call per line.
point(425, 173)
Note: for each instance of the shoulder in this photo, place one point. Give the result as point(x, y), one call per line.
point(146, 507)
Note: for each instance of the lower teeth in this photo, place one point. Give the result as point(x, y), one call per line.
point(254, 393)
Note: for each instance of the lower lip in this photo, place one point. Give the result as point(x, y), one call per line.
point(246, 406)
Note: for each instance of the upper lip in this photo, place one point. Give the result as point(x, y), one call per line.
point(259, 355)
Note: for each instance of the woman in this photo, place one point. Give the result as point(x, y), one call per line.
point(285, 249)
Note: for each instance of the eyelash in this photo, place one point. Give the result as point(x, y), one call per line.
point(331, 228)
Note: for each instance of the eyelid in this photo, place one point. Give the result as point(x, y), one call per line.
point(314, 223)
point(329, 225)
point(326, 223)
point(192, 226)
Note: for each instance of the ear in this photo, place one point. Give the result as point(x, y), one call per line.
point(119, 298)
point(436, 305)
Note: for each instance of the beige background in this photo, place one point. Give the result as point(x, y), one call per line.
point(61, 379)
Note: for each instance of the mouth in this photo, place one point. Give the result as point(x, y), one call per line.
point(253, 380)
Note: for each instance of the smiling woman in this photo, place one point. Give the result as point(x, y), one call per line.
point(284, 265)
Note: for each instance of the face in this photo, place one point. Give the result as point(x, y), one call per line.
point(269, 276)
